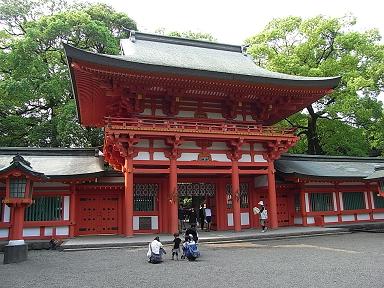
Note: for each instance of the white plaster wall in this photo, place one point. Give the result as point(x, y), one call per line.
point(62, 230)
point(258, 147)
point(159, 156)
point(147, 112)
point(186, 114)
point(135, 222)
point(261, 181)
point(259, 158)
point(244, 218)
point(298, 220)
point(188, 157)
point(215, 116)
point(230, 219)
point(310, 220)
point(7, 214)
point(220, 157)
point(48, 231)
point(239, 117)
point(246, 147)
point(31, 232)
point(143, 143)
point(248, 118)
point(4, 233)
point(341, 201)
point(66, 208)
point(159, 144)
point(378, 216)
point(306, 202)
point(334, 201)
point(366, 200)
point(372, 200)
point(330, 218)
point(347, 218)
point(245, 158)
point(142, 156)
point(189, 145)
point(159, 112)
point(363, 217)
point(218, 146)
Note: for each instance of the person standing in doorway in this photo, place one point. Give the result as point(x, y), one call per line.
point(263, 216)
point(201, 216)
point(208, 216)
point(192, 217)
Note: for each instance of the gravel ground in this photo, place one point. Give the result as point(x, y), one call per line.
point(350, 260)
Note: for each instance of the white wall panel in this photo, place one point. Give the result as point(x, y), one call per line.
point(66, 208)
point(143, 143)
point(155, 222)
point(62, 230)
point(347, 218)
point(310, 220)
point(4, 233)
point(159, 156)
point(215, 116)
point(142, 156)
point(220, 157)
point(159, 144)
point(244, 218)
point(230, 219)
point(189, 145)
point(245, 158)
point(7, 214)
point(298, 220)
point(259, 158)
point(31, 232)
point(188, 157)
point(48, 231)
point(330, 218)
point(378, 216)
point(363, 217)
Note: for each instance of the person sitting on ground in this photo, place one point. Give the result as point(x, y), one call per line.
point(155, 251)
point(176, 246)
point(192, 231)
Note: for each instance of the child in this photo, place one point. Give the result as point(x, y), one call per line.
point(176, 246)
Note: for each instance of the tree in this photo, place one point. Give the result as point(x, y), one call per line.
point(193, 35)
point(323, 46)
point(36, 103)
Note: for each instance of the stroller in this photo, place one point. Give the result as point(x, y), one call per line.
point(190, 251)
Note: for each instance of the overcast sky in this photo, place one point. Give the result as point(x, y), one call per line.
point(233, 21)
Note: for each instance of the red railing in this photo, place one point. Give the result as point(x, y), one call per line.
point(188, 126)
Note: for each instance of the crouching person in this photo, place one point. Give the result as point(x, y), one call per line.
point(155, 251)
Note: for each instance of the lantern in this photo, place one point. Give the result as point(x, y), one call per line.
point(19, 177)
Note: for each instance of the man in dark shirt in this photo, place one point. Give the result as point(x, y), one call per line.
point(176, 246)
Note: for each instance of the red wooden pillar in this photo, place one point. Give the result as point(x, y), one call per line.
point(272, 195)
point(128, 197)
point(173, 197)
point(17, 225)
point(236, 196)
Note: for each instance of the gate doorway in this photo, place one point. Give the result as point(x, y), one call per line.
point(97, 214)
point(192, 196)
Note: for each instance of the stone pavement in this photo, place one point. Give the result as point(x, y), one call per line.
point(111, 242)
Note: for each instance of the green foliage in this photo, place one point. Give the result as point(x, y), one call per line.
point(36, 103)
point(193, 35)
point(322, 46)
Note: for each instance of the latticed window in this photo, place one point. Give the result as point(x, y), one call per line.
point(321, 202)
point(378, 201)
point(145, 196)
point(17, 187)
point(297, 203)
point(353, 200)
point(47, 208)
point(196, 189)
point(244, 203)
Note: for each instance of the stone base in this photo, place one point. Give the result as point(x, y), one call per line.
point(15, 253)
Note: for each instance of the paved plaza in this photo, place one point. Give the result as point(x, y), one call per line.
point(345, 260)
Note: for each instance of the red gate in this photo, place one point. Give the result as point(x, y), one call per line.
point(97, 214)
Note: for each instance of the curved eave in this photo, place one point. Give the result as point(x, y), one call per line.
point(120, 63)
point(77, 176)
point(20, 167)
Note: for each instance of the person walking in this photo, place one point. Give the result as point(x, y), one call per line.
point(208, 216)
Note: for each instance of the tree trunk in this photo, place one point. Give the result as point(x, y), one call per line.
point(314, 147)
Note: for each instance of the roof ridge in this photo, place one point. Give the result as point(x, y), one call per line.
point(135, 35)
point(306, 157)
point(45, 151)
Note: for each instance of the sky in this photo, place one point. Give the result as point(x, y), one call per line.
point(233, 21)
